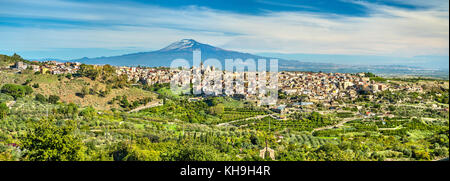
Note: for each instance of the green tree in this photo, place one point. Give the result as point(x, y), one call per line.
point(41, 98)
point(88, 113)
point(69, 110)
point(16, 57)
point(4, 110)
point(16, 91)
point(369, 74)
point(48, 142)
point(53, 99)
point(28, 90)
point(88, 71)
point(124, 102)
point(36, 85)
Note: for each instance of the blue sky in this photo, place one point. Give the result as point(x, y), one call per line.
point(67, 29)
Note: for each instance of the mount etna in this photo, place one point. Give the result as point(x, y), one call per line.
point(183, 50)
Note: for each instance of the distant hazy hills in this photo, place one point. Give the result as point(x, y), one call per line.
point(184, 48)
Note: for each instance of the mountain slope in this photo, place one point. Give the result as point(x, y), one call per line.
point(163, 57)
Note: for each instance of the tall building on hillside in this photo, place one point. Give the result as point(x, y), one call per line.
point(20, 66)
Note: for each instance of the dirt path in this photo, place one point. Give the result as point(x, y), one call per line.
point(341, 123)
point(256, 117)
point(150, 105)
point(381, 129)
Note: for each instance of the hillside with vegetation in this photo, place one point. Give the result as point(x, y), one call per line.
point(87, 116)
point(91, 86)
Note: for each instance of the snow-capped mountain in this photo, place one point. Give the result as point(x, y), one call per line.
point(185, 44)
point(163, 57)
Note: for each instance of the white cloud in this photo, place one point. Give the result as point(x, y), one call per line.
point(386, 31)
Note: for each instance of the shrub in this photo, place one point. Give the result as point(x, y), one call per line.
point(28, 90)
point(3, 110)
point(41, 98)
point(53, 99)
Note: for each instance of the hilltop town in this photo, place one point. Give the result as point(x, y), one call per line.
point(313, 87)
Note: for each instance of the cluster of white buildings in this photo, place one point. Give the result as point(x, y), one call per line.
point(52, 67)
point(207, 80)
point(327, 86)
point(148, 76)
point(317, 87)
